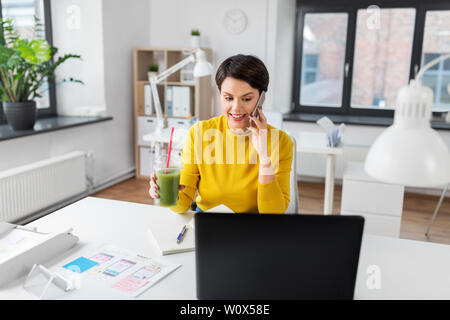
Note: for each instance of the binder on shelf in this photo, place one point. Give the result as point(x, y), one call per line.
point(148, 102)
point(181, 101)
point(22, 247)
point(169, 100)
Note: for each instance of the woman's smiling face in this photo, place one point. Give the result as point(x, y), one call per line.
point(238, 100)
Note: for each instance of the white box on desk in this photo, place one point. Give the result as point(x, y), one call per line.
point(23, 247)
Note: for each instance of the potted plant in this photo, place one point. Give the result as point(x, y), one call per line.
point(24, 66)
point(153, 70)
point(195, 38)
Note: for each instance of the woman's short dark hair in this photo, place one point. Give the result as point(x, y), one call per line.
point(244, 67)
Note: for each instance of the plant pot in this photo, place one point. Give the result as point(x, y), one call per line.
point(2, 115)
point(195, 41)
point(152, 74)
point(20, 115)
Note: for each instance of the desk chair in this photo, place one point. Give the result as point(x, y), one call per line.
point(293, 207)
point(275, 118)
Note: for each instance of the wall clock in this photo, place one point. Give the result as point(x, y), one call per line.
point(235, 21)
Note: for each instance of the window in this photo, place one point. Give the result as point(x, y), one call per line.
point(352, 59)
point(436, 42)
point(323, 47)
point(22, 12)
point(437, 78)
point(382, 57)
point(309, 69)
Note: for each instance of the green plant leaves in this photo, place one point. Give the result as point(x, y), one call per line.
point(5, 54)
point(14, 60)
point(35, 51)
point(26, 64)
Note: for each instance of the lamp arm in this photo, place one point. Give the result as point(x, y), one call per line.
point(429, 65)
point(158, 109)
point(174, 68)
point(163, 75)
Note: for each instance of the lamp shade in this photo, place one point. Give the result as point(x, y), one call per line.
point(202, 66)
point(410, 152)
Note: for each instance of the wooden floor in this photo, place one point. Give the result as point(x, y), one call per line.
point(417, 209)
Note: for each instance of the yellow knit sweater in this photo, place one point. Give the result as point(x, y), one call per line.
point(224, 168)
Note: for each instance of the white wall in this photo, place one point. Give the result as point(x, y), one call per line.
point(281, 52)
point(172, 20)
point(109, 30)
point(269, 35)
point(86, 39)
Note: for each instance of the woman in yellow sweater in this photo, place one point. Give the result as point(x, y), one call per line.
point(227, 160)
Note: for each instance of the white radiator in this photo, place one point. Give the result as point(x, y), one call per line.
point(27, 189)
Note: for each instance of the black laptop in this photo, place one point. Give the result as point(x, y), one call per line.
point(270, 256)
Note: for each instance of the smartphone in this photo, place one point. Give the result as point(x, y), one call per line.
point(255, 112)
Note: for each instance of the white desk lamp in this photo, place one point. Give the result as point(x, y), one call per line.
point(410, 152)
point(202, 68)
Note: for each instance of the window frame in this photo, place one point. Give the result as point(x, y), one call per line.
point(351, 7)
point(51, 111)
point(438, 73)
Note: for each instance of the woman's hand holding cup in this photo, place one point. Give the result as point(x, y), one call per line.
point(154, 188)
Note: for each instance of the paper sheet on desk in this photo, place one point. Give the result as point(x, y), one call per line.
point(220, 208)
point(116, 270)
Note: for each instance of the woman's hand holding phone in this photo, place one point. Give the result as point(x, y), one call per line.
point(259, 135)
point(259, 141)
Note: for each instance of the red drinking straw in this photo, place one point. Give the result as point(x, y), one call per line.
point(170, 150)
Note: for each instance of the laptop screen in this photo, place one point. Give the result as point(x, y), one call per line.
point(272, 256)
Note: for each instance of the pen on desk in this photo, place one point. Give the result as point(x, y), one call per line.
point(181, 234)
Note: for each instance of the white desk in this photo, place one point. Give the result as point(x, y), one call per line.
point(409, 269)
point(316, 142)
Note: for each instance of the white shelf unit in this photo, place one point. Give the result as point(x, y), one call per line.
point(201, 92)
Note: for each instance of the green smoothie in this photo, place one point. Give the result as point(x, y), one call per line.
point(168, 182)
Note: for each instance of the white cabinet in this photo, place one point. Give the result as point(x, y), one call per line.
point(380, 203)
point(146, 161)
point(145, 125)
point(178, 123)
